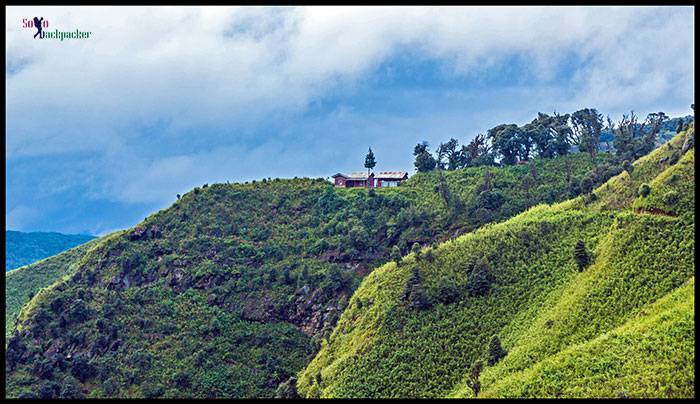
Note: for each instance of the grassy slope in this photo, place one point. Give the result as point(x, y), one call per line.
point(23, 283)
point(551, 318)
point(25, 248)
point(201, 299)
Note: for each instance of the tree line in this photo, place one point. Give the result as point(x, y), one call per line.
point(546, 136)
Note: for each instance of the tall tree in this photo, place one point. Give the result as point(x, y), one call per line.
point(550, 134)
point(369, 161)
point(651, 128)
point(633, 139)
point(526, 143)
point(420, 148)
point(587, 125)
point(424, 160)
point(447, 155)
point(477, 152)
point(505, 139)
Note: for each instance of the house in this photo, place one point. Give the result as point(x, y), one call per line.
point(390, 178)
point(354, 180)
point(360, 179)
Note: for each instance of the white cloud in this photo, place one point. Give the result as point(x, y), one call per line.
point(182, 69)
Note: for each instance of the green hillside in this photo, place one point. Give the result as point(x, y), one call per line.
point(611, 317)
point(230, 291)
point(24, 283)
point(24, 248)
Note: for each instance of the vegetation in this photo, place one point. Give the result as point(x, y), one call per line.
point(235, 288)
point(244, 282)
point(622, 328)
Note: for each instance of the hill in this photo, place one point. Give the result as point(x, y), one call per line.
point(22, 284)
point(230, 291)
point(593, 297)
point(24, 248)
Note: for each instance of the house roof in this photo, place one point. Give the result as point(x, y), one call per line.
point(359, 176)
point(392, 175)
point(387, 175)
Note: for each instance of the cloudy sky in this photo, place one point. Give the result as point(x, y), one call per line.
point(103, 131)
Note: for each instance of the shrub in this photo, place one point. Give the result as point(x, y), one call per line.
point(43, 368)
point(644, 190)
point(473, 380)
point(581, 255)
point(479, 278)
point(429, 255)
point(49, 390)
point(286, 276)
point(483, 215)
point(70, 390)
point(447, 291)
point(628, 166)
point(78, 311)
point(287, 389)
point(587, 184)
point(496, 351)
point(414, 294)
point(182, 379)
point(152, 390)
point(82, 369)
point(28, 395)
point(396, 255)
point(671, 198)
point(415, 249)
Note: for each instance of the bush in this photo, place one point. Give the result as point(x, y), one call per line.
point(396, 255)
point(496, 351)
point(581, 255)
point(483, 215)
point(70, 390)
point(152, 390)
point(49, 390)
point(82, 369)
point(287, 389)
point(479, 278)
point(429, 255)
point(671, 198)
point(43, 368)
point(628, 166)
point(644, 190)
point(587, 183)
point(473, 380)
point(182, 380)
point(78, 311)
point(447, 291)
point(415, 249)
point(414, 294)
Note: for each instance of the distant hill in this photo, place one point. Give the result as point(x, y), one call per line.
point(25, 282)
point(25, 248)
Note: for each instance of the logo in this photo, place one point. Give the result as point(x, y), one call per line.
point(39, 23)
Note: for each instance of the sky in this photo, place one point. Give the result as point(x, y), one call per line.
point(103, 131)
